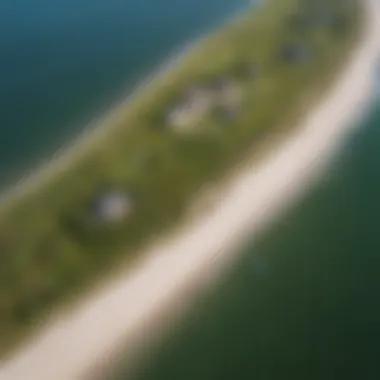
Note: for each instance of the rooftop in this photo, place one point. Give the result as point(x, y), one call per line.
point(295, 52)
point(113, 206)
point(194, 104)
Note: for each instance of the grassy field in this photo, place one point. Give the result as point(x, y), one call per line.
point(49, 246)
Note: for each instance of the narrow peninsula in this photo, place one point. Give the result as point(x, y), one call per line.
point(234, 95)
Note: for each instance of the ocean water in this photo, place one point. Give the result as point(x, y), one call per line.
point(303, 302)
point(64, 63)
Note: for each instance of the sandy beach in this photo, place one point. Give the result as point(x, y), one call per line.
point(141, 302)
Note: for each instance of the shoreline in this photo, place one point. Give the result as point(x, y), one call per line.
point(245, 207)
point(102, 125)
point(96, 129)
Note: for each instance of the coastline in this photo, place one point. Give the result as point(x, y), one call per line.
point(91, 133)
point(102, 125)
point(245, 206)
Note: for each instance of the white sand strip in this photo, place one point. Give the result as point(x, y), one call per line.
point(129, 306)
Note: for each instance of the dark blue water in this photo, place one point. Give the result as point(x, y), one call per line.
point(303, 302)
point(64, 62)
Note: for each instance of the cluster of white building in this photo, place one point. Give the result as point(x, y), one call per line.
point(198, 101)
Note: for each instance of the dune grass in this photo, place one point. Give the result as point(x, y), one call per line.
point(48, 251)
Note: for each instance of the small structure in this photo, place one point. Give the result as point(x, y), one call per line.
point(299, 22)
point(323, 20)
point(245, 70)
point(194, 105)
point(222, 96)
point(228, 114)
point(113, 206)
point(227, 92)
point(253, 70)
point(228, 99)
point(338, 23)
point(315, 18)
point(295, 53)
point(220, 84)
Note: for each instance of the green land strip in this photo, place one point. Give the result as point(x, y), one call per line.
point(49, 246)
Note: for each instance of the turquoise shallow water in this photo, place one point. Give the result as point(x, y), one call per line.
point(303, 302)
point(63, 63)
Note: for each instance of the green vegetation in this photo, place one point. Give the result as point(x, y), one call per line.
point(49, 245)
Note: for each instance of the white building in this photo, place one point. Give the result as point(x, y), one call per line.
point(114, 206)
point(195, 104)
